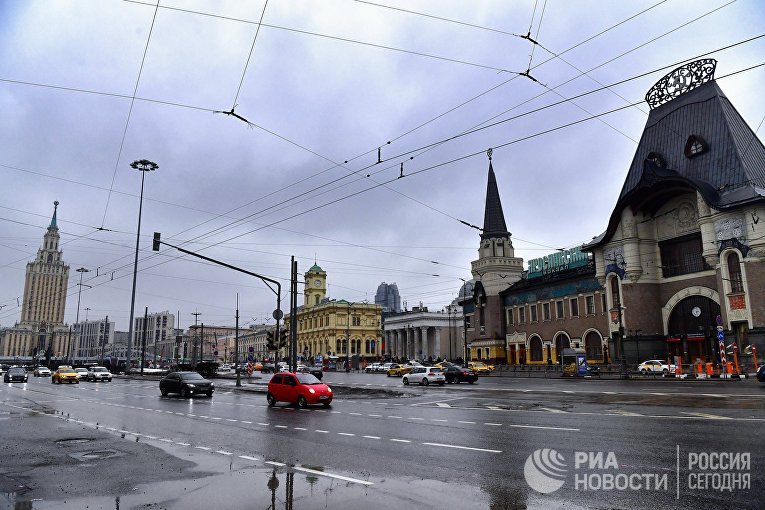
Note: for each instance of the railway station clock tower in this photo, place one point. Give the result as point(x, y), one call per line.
point(315, 286)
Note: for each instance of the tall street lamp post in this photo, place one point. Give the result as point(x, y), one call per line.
point(143, 166)
point(81, 270)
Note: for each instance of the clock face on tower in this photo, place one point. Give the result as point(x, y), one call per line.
point(317, 283)
point(696, 311)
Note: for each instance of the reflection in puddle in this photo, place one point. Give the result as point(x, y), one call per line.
point(303, 487)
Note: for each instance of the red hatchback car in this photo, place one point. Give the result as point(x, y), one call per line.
point(300, 389)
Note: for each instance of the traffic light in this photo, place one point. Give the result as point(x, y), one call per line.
point(156, 242)
point(282, 338)
point(270, 345)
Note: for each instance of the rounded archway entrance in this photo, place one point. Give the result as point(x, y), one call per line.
point(692, 329)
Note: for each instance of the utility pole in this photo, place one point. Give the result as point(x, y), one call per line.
point(143, 340)
point(236, 345)
point(202, 345)
point(196, 315)
point(81, 270)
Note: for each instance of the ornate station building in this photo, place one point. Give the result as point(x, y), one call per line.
point(680, 264)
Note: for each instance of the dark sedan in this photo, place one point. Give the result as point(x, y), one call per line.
point(457, 374)
point(314, 371)
point(15, 374)
point(761, 373)
point(186, 384)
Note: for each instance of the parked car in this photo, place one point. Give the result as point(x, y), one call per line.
point(15, 374)
point(41, 372)
point(186, 384)
point(424, 375)
point(457, 374)
point(480, 367)
point(655, 366)
point(317, 372)
point(372, 367)
point(761, 374)
point(65, 374)
point(98, 374)
point(300, 389)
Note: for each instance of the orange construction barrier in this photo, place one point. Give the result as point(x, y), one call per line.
point(699, 368)
point(679, 366)
point(729, 367)
point(754, 357)
point(710, 369)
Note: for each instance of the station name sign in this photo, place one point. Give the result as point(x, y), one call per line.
point(561, 260)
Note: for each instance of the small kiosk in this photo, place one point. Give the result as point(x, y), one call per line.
point(574, 362)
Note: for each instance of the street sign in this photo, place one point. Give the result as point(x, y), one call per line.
point(250, 357)
point(278, 314)
point(720, 328)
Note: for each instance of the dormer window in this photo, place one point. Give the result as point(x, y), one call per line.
point(657, 159)
point(695, 146)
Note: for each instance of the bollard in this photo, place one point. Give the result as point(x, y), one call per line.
point(679, 367)
point(699, 369)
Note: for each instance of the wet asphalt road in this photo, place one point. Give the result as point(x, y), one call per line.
point(457, 446)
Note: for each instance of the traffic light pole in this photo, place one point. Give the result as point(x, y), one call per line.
point(278, 314)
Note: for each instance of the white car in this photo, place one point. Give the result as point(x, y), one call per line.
point(424, 375)
point(655, 366)
point(41, 372)
point(372, 367)
point(98, 374)
point(385, 367)
point(82, 372)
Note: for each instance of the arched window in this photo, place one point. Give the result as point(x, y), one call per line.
point(593, 345)
point(734, 273)
point(562, 341)
point(535, 347)
point(367, 346)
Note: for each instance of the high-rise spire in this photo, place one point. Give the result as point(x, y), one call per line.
point(493, 218)
point(53, 220)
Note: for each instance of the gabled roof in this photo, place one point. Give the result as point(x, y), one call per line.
point(493, 218)
point(731, 173)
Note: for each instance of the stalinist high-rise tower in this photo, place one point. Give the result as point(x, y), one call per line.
point(41, 330)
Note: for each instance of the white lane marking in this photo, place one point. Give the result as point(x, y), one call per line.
point(201, 416)
point(416, 418)
point(434, 419)
point(223, 452)
point(216, 418)
point(280, 426)
point(229, 419)
point(166, 440)
point(169, 412)
point(247, 457)
point(372, 437)
point(493, 424)
point(550, 410)
point(299, 428)
point(355, 414)
point(441, 404)
point(463, 447)
point(150, 437)
point(374, 415)
point(179, 414)
point(542, 427)
point(626, 413)
point(264, 424)
point(331, 475)
point(401, 440)
point(203, 448)
point(436, 401)
point(396, 417)
point(345, 434)
point(467, 422)
point(322, 431)
point(184, 444)
point(710, 416)
point(247, 422)
point(274, 463)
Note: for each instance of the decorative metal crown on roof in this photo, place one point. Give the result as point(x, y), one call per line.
point(683, 79)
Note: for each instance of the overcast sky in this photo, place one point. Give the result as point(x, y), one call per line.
point(327, 82)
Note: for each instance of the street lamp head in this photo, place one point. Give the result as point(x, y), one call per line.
point(82, 270)
point(144, 165)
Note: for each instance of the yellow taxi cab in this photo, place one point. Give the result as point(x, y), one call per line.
point(480, 367)
point(443, 364)
point(65, 374)
point(397, 370)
